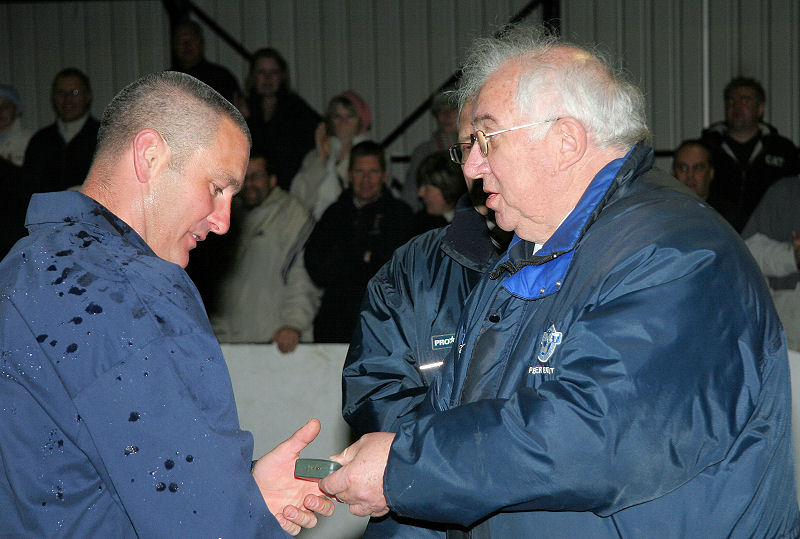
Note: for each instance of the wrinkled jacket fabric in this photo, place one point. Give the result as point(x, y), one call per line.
point(117, 417)
point(630, 379)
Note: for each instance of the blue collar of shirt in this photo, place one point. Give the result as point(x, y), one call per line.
point(75, 207)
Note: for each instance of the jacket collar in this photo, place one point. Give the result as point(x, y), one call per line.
point(73, 207)
point(467, 239)
point(554, 258)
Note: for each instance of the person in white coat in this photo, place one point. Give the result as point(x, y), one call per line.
point(322, 176)
point(266, 295)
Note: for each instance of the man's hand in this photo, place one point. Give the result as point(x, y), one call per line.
point(359, 482)
point(286, 338)
point(293, 502)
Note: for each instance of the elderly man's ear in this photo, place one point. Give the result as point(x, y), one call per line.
point(571, 142)
point(151, 155)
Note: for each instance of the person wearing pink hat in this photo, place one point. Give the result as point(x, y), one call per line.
point(322, 176)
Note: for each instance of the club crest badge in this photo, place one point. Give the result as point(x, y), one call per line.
point(547, 346)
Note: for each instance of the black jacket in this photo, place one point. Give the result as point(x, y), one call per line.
point(346, 248)
point(53, 164)
point(738, 186)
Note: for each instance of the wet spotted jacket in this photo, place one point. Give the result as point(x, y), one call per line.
point(117, 416)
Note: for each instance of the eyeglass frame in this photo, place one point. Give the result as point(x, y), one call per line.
point(483, 140)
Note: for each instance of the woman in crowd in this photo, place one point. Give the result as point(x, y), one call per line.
point(281, 123)
point(440, 184)
point(323, 174)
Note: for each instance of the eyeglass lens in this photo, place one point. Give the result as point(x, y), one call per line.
point(459, 152)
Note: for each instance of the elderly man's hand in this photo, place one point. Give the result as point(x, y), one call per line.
point(292, 501)
point(359, 483)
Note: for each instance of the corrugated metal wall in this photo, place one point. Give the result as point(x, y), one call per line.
point(395, 52)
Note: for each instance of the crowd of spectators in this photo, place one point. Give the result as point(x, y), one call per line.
point(305, 168)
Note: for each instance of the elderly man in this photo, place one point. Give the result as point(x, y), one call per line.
point(59, 155)
point(604, 381)
point(692, 165)
point(118, 416)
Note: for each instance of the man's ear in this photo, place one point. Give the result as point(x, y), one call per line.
point(572, 142)
point(273, 181)
point(151, 154)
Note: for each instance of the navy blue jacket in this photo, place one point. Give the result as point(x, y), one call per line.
point(630, 379)
point(406, 329)
point(117, 415)
point(408, 321)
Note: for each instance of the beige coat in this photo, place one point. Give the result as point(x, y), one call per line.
point(268, 287)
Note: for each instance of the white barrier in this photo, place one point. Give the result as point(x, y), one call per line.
point(276, 394)
point(794, 367)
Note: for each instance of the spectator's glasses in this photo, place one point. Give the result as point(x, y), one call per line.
point(459, 152)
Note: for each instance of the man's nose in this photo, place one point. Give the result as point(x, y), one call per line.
point(220, 219)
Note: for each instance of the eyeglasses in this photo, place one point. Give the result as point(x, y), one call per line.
point(459, 152)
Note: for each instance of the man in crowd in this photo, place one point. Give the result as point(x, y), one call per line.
point(188, 51)
point(692, 165)
point(118, 416)
point(58, 156)
point(14, 185)
point(356, 235)
point(445, 111)
point(748, 153)
point(267, 296)
point(604, 381)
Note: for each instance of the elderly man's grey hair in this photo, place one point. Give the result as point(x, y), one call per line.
point(185, 111)
point(560, 79)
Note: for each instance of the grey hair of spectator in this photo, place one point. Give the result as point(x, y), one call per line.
point(699, 144)
point(583, 86)
point(438, 170)
point(183, 110)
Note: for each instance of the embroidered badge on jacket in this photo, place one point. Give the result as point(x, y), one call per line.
point(547, 346)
